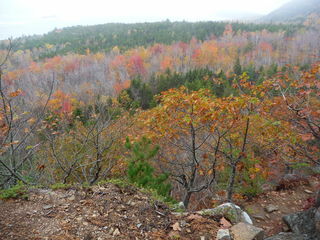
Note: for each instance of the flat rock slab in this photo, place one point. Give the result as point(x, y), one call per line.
point(244, 231)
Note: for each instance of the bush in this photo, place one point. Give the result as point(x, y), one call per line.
point(57, 186)
point(251, 179)
point(140, 170)
point(18, 190)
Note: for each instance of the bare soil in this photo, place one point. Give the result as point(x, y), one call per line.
point(101, 212)
point(286, 201)
point(112, 212)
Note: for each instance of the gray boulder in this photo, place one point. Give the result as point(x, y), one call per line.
point(301, 222)
point(288, 236)
point(305, 222)
point(230, 211)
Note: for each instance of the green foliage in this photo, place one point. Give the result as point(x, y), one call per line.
point(104, 37)
point(140, 170)
point(251, 179)
point(141, 94)
point(237, 68)
point(17, 191)
point(121, 183)
point(57, 186)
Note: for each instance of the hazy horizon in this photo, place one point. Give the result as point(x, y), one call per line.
point(29, 17)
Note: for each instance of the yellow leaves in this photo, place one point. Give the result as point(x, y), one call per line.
point(31, 121)
point(48, 46)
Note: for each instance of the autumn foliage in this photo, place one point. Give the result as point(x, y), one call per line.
point(228, 113)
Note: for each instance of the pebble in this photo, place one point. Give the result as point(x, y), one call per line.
point(259, 217)
point(72, 198)
point(46, 207)
point(271, 208)
point(308, 191)
point(116, 232)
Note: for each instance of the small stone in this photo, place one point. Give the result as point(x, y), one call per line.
point(259, 217)
point(116, 232)
point(131, 203)
point(271, 208)
point(308, 191)
point(72, 198)
point(181, 205)
point(202, 238)
point(46, 207)
point(223, 234)
point(176, 227)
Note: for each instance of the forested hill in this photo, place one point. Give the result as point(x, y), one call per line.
point(297, 11)
point(104, 37)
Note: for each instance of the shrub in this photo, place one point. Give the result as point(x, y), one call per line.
point(18, 190)
point(140, 170)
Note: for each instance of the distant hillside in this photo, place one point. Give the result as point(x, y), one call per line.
point(106, 36)
point(295, 11)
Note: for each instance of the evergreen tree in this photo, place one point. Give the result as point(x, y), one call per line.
point(140, 170)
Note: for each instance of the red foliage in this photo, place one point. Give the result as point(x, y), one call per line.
point(136, 65)
point(266, 47)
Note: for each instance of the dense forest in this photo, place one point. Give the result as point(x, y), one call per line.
point(181, 108)
point(102, 38)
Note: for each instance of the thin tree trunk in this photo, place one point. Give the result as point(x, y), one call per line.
point(235, 163)
point(187, 199)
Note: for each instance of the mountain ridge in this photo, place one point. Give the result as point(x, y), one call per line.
point(295, 11)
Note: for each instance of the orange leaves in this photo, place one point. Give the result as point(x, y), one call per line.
point(118, 61)
point(15, 93)
point(34, 68)
point(53, 63)
point(119, 86)
point(307, 136)
point(166, 63)
point(61, 103)
point(266, 47)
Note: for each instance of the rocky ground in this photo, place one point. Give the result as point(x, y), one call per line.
point(110, 211)
point(268, 209)
point(102, 212)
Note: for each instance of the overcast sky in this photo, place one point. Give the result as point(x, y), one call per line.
point(27, 17)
